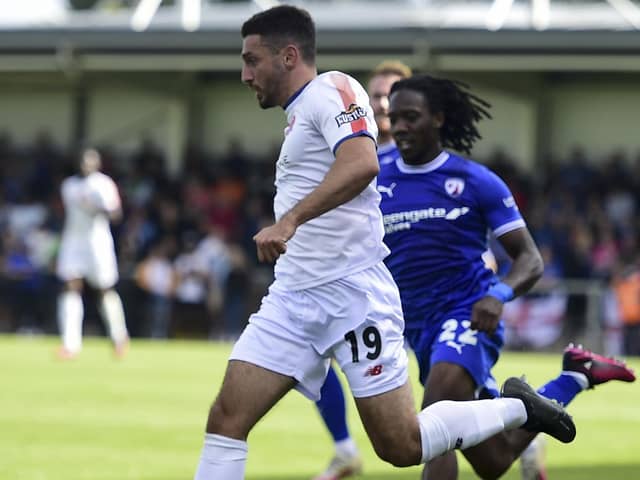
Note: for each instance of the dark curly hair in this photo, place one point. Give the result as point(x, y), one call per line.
point(461, 109)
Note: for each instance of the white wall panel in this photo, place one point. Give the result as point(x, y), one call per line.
point(599, 116)
point(512, 128)
point(231, 110)
point(26, 111)
point(122, 115)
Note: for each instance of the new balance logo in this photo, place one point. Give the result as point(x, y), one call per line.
point(373, 371)
point(388, 190)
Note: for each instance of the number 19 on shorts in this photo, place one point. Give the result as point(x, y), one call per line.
point(370, 339)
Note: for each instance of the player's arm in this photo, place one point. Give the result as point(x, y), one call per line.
point(355, 166)
point(527, 266)
point(115, 215)
point(110, 203)
point(525, 271)
point(502, 215)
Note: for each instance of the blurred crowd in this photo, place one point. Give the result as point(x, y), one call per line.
point(583, 214)
point(186, 256)
point(187, 260)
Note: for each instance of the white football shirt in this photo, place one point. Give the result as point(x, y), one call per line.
point(330, 109)
point(85, 199)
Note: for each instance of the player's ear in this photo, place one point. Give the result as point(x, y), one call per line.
point(290, 57)
point(438, 119)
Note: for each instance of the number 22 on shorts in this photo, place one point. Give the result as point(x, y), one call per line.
point(457, 340)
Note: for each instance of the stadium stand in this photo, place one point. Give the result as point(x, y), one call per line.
point(163, 104)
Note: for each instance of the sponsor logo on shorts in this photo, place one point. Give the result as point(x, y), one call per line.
point(351, 114)
point(373, 371)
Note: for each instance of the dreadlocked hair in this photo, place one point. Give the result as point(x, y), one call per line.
point(461, 109)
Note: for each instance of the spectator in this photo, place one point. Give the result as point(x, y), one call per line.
point(156, 276)
point(22, 282)
point(626, 285)
point(198, 298)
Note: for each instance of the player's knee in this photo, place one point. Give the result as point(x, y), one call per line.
point(72, 286)
point(225, 420)
point(399, 454)
point(493, 468)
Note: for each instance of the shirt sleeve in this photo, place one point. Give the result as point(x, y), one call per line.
point(342, 110)
point(109, 195)
point(497, 203)
point(64, 192)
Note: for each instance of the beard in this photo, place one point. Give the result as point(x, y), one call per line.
point(270, 96)
point(266, 101)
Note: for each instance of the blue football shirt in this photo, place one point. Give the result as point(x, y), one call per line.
point(437, 217)
point(388, 153)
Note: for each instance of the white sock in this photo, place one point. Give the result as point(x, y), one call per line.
point(222, 458)
point(113, 313)
point(346, 448)
point(579, 377)
point(447, 425)
point(70, 313)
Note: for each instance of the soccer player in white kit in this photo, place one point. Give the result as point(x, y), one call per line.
point(332, 296)
point(91, 201)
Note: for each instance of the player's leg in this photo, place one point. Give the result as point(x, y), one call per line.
point(455, 364)
point(581, 370)
point(532, 460)
point(71, 269)
point(103, 275)
point(346, 460)
point(375, 363)
point(402, 438)
point(491, 458)
point(110, 306)
point(70, 314)
point(374, 360)
point(273, 355)
point(247, 393)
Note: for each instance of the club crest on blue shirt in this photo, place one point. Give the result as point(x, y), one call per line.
point(454, 186)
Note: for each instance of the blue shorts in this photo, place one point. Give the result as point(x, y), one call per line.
point(448, 338)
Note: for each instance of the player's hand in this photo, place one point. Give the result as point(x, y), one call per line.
point(86, 204)
point(271, 242)
point(485, 314)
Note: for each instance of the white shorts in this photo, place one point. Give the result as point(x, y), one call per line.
point(78, 258)
point(357, 320)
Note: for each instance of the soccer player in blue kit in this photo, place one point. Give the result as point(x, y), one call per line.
point(438, 208)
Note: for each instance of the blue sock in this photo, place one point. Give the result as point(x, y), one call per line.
point(332, 407)
point(562, 389)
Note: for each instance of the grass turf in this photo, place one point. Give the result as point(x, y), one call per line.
point(142, 418)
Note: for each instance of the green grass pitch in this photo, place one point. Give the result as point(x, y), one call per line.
point(142, 418)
